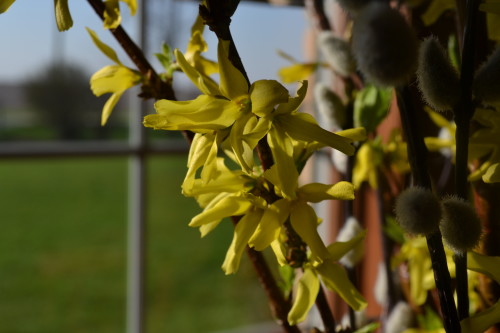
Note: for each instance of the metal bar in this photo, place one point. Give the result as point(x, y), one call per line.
point(136, 266)
point(88, 148)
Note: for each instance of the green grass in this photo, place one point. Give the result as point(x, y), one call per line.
point(63, 252)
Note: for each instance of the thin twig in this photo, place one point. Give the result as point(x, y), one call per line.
point(463, 113)
point(417, 155)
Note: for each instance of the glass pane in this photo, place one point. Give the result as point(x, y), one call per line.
point(188, 291)
point(62, 245)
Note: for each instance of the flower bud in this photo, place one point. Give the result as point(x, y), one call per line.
point(437, 79)
point(418, 211)
point(384, 45)
point(460, 226)
point(486, 86)
point(330, 106)
point(351, 229)
point(337, 53)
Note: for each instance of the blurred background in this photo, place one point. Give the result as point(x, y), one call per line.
point(64, 214)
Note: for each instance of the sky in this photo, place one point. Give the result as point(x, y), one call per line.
point(29, 39)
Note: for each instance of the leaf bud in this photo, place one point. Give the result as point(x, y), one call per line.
point(330, 106)
point(418, 211)
point(486, 86)
point(460, 226)
point(384, 45)
point(437, 78)
point(337, 53)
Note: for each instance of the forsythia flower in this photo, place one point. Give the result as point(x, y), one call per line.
point(196, 46)
point(297, 72)
point(332, 275)
point(483, 320)
point(112, 15)
point(446, 140)
point(372, 155)
point(243, 114)
point(415, 252)
point(485, 142)
point(113, 79)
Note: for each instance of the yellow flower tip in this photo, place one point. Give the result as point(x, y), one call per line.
point(5, 4)
point(63, 15)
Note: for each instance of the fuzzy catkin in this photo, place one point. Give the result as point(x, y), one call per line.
point(418, 211)
point(330, 106)
point(337, 53)
point(437, 78)
point(384, 45)
point(460, 226)
point(486, 85)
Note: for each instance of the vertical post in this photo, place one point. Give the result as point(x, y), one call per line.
point(136, 261)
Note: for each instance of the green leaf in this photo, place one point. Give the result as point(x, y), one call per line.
point(429, 320)
point(287, 274)
point(371, 106)
point(393, 230)
point(368, 328)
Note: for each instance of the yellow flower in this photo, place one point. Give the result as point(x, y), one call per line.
point(297, 72)
point(485, 142)
point(196, 46)
point(445, 143)
point(334, 278)
point(114, 79)
point(483, 320)
point(112, 15)
point(415, 252)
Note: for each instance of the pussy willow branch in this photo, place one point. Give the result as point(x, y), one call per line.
point(417, 155)
point(164, 90)
point(463, 113)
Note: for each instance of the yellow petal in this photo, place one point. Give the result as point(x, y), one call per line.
point(202, 82)
point(307, 291)
point(109, 106)
point(265, 95)
point(204, 114)
point(108, 51)
point(279, 251)
point(316, 192)
point(242, 233)
point(483, 320)
point(210, 168)
point(132, 6)
point(335, 278)
point(63, 16)
point(305, 222)
point(296, 72)
point(232, 205)
point(283, 174)
point(243, 152)
point(113, 79)
point(232, 82)
point(5, 4)
point(269, 227)
point(294, 102)
point(492, 175)
point(354, 134)
point(303, 127)
point(112, 17)
point(339, 249)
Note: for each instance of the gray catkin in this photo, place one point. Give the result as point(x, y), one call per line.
point(337, 53)
point(384, 45)
point(486, 85)
point(437, 78)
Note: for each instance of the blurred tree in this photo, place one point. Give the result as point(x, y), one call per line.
point(61, 95)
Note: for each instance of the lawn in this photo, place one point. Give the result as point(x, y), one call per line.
point(63, 252)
